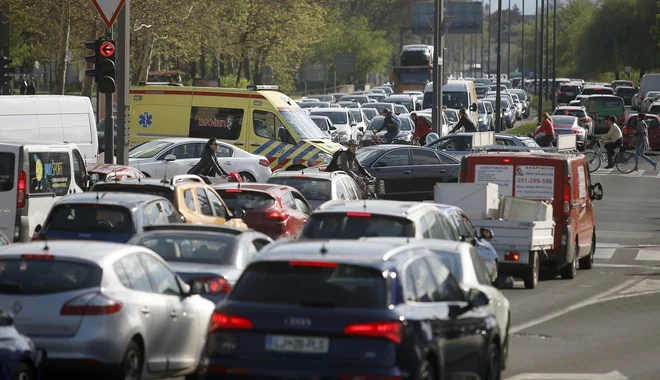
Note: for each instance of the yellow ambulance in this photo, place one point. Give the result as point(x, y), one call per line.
point(258, 119)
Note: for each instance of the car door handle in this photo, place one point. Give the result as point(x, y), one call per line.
point(145, 310)
point(406, 172)
point(192, 164)
point(253, 144)
point(227, 163)
point(442, 171)
point(238, 144)
point(173, 314)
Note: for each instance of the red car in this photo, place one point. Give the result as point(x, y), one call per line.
point(653, 121)
point(275, 210)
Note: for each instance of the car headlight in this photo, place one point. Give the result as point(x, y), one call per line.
point(481, 119)
point(325, 157)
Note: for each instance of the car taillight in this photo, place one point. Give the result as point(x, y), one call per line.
point(575, 131)
point(94, 303)
point(233, 191)
point(264, 162)
point(567, 199)
point(320, 264)
point(586, 120)
point(229, 322)
point(388, 330)
point(276, 215)
point(22, 186)
point(359, 214)
point(212, 285)
point(37, 257)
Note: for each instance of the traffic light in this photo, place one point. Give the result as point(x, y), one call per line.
point(6, 71)
point(106, 68)
point(93, 59)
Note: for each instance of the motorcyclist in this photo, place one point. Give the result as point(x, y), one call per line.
point(348, 162)
point(422, 128)
point(208, 165)
point(391, 124)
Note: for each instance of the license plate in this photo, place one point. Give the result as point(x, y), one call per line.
point(297, 344)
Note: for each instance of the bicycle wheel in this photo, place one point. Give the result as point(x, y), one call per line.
point(625, 162)
point(593, 160)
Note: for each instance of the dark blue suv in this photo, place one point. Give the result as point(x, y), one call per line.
point(350, 310)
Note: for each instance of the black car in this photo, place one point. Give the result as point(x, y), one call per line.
point(347, 310)
point(409, 172)
point(567, 92)
point(626, 92)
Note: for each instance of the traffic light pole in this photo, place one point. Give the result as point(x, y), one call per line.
point(109, 125)
point(123, 84)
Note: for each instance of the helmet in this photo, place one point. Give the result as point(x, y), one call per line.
point(352, 143)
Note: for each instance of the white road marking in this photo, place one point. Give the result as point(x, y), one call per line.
point(648, 255)
point(614, 375)
point(635, 174)
point(643, 286)
point(604, 253)
point(566, 310)
point(603, 171)
point(658, 176)
point(599, 265)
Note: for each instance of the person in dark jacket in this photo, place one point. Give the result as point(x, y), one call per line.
point(391, 124)
point(208, 165)
point(465, 122)
point(31, 88)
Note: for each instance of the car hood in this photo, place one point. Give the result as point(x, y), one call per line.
point(187, 270)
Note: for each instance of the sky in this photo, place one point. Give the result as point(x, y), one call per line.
point(529, 4)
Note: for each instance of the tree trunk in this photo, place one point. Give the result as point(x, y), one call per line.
point(240, 70)
point(221, 66)
point(246, 66)
point(65, 30)
point(256, 72)
point(202, 62)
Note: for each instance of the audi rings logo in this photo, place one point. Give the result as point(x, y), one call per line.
point(298, 322)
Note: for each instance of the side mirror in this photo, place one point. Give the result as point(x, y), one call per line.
point(181, 217)
point(186, 290)
point(37, 229)
point(486, 234)
point(353, 124)
point(170, 158)
point(361, 129)
point(477, 298)
point(473, 107)
point(596, 192)
point(94, 178)
point(333, 128)
point(238, 213)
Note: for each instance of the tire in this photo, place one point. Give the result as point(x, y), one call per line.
point(625, 162)
point(505, 347)
point(23, 372)
point(569, 272)
point(593, 160)
point(426, 371)
point(587, 262)
point(531, 277)
point(496, 273)
point(494, 359)
point(247, 177)
point(131, 365)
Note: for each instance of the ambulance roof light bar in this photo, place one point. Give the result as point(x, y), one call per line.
point(261, 87)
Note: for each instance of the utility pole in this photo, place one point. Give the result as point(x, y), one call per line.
point(436, 116)
point(522, 43)
point(547, 48)
point(536, 49)
point(498, 101)
point(481, 52)
point(490, 12)
point(123, 84)
point(508, 59)
point(540, 83)
point(554, 55)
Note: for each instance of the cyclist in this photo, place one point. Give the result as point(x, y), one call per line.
point(612, 139)
point(546, 133)
point(208, 165)
point(465, 122)
point(391, 124)
point(422, 128)
point(348, 163)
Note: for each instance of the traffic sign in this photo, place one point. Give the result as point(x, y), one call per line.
point(628, 69)
point(107, 49)
point(109, 10)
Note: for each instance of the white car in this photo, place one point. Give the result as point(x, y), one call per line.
point(342, 119)
point(149, 158)
point(361, 120)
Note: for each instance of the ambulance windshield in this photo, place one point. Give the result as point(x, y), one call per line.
point(302, 124)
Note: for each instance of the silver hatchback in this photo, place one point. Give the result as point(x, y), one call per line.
point(103, 307)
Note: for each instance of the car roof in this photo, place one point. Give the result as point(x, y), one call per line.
point(182, 139)
point(207, 228)
point(139, 182)
point(92, 251)
point(273, 188)
point(381, 207)
point(444, 245)
point(367, 253)
point(342, 110)
point(109, 198)
point(303, 174)
point(391, 146)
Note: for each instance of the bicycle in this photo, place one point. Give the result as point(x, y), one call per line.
point(624, 161)
point(368, 186)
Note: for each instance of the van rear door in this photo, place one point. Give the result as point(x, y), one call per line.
point(9, 158)
point(79, 125)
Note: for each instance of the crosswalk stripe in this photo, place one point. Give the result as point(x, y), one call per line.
point(648, 255)
point(604, 253)
point(658, 176)
point(603, 171)
point(635, 174)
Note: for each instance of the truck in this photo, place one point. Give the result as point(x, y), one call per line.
point(415, 69)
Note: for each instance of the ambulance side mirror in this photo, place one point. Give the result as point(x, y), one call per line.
point(596, 192)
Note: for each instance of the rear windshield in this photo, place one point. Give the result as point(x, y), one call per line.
point(625, 91)
point(651, 122)
point(160, 191)
point(570, 112)
point(453, 262)
point(342, 285)
point(311, 188)
point(46, 276)
point(569, 88)
point(247, 200)
point(346, 226)
point(190, 247)
point(564, 121)
point(90, 218)
point(606, 101)
point(7, 163)
point(597, 91)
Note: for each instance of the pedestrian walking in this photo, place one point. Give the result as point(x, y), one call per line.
point(642, 142)
point(31, 88)
point(23, 85)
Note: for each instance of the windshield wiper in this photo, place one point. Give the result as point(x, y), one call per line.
point(317, 304)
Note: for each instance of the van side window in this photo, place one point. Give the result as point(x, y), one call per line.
point(7, 164)
point(78, 169)
point(268, 125)
point(50, 172)
point(221, 123)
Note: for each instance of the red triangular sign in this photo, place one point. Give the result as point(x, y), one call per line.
point(108, 9)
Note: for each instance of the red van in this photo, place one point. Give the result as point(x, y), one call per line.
point(563, 178)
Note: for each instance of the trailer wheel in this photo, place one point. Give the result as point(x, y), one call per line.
point(531, 277)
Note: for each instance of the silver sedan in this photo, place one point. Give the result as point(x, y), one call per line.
point(103, 308)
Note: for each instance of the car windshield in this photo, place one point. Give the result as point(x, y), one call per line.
point(530, 143)
point(314, 105)
point(356, 98)
point(570, 112)
point(328, 285)
point(569, 88)
point(370, 113)
point(563, 121)
point(377, 122)
point(36, 276)
point(161, 191)
point(335, 117)
point(455, 100)
point(357, 115)
point(453, 262)
point(322, 98)
point(379, 107)
point(451, 115)
point(245, 199)
point(302, 125)
point(366, 157)
point(399, 109)
point(625, 91)
point(321, 123)
point(148, 149)
point(482, 107)
point(311, 188)
point(90, 218)
point(597, 91)
point(482, 91)
point(414, 76)
point(217, 249)
point(346, 226)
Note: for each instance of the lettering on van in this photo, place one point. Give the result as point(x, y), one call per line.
point(50, 172)
point(535, 182)
point(220, 123)
point(502, 175)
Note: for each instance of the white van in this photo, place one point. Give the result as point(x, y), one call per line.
point(456, 94)
point(650, 82)
point(57, 118)
point(33, 176)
